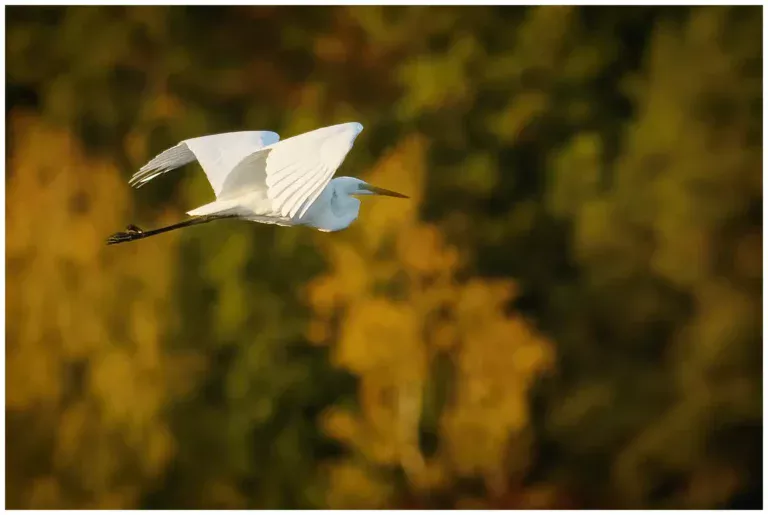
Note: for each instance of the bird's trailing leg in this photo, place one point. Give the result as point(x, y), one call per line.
point(133, 232)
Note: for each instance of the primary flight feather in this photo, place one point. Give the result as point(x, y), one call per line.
point(259, 178)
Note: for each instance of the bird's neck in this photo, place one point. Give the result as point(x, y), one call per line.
point(335, 210)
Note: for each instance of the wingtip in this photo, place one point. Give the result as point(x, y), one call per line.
point(133, 182)
point(357, 127)
point(143, 176)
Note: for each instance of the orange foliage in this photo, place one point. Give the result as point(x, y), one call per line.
point(393, 280)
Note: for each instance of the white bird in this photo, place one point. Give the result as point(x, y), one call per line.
point(259, 178)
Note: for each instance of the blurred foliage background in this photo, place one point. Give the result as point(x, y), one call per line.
point(566, 314)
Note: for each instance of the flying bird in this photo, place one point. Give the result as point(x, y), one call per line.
point(257, 177)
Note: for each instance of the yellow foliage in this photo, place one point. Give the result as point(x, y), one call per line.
point(84, 335)
point(356, 488)
point(398, 309)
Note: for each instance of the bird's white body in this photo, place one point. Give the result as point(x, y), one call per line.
point(257, 177)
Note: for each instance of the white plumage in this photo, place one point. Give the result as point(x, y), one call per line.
point(257, 177)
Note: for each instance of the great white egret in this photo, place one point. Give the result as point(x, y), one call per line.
point(259, 178)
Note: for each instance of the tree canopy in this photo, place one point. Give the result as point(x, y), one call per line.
point(566, 313)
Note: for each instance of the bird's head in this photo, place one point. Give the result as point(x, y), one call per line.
point(354, 186)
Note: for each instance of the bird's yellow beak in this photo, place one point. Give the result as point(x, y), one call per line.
point(373, 190)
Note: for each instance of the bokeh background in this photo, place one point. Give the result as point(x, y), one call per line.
point(567, 314)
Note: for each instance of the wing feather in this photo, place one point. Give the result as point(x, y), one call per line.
point(286, 178)
point(174, 157)
point(296, 170)
point(303, 206)
point(306, 192)
point(292, 196)
point(218, 154)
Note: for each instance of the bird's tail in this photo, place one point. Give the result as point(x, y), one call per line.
point(132, 232)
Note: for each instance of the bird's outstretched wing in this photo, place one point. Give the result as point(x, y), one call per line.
point(295, 170)
point(218, 154)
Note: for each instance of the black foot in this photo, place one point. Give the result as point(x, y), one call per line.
point(131, 233)
point(120, 237)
